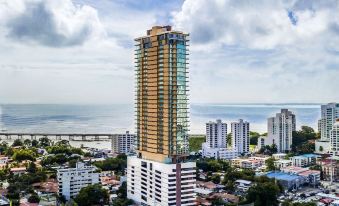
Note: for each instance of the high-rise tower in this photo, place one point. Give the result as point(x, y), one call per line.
point(280, 130)
point(159, 173)
point(241, 136)
point(162, 119)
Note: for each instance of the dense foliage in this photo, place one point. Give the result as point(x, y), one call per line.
point(195, 142)
point(117, 164)
point(263, 194)
point(303, 140)
point(92, 195)
point(254, 137)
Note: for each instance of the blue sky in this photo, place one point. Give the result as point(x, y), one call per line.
point(241, 51)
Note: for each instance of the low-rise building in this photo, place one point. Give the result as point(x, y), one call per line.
point(18, 170)
point(282, 163)
point(72, 180)
point(249, 163)
point(219, 153)
point(304, 160)
point(279, 156)
point(242, 185)
point(288, 181)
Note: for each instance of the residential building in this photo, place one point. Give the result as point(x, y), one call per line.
point(242, 185)
point(280, 130)
point(241, 136)
point(304, 160)
point(282, 163)
point(216, 143)
point(330, 169)
point(216, 134)
point(329, 114)
point(249, 163)
point(322, 146)
point(296, 176)
point(18, 170)
point(278, 156)
point(161, 184)
point(72, 180)
point(160, 174)
point(123, 143)
point(334, 133)
point(219, 153)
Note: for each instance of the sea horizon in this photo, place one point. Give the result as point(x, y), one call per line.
point(118, 118)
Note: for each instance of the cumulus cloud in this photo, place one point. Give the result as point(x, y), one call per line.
point(259, 24)
point(48, 22)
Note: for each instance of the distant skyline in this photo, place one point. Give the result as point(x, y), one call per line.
point(241, 51)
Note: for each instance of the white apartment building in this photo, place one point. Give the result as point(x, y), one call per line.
point(219, 153)
point(335, 138)
point(241, 136)
point(280, 130)
point(123, 143)
point(281, 163)
point(71, 180)
point(278, 156)
point(242, 185)
point(329, 114)
point(216, 134)
point(216, 143)
point(155, 183)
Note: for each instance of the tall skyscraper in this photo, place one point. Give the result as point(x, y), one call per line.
point(334, 133)
point(329, 114)
point(280, 130)
point(241, 136)
point(216, 134)
point(160, 174)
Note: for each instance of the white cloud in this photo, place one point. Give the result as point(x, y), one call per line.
point(49, 22)
point(257, 24)
point(262, 51)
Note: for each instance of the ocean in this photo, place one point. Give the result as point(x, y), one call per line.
point(118, 118)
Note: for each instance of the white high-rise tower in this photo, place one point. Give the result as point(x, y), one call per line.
point(280, 129)
point(241, 136)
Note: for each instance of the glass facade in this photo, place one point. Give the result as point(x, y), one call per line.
point(162, 103)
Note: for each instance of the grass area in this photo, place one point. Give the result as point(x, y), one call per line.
point(195, 142)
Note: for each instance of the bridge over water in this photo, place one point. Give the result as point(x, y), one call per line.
point(57, 136)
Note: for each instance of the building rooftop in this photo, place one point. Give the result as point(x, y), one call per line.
point(282, 176)
point(309, 172)
point(310, 155)
point(243, 181)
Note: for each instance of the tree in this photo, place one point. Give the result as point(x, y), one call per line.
point(263, 194)
point(321, 148)
point(17, 143)
point(3, 147)
point(35, 143)
point(122, 200)
point(216, 179)
point(270, 164)
point(34, 198)
point(31, 168)
point(92, 195)
point(27, 142)
point(303, 139)
point(254, 138)
point(24, 154)
point(122, 191)
point(44, 142)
